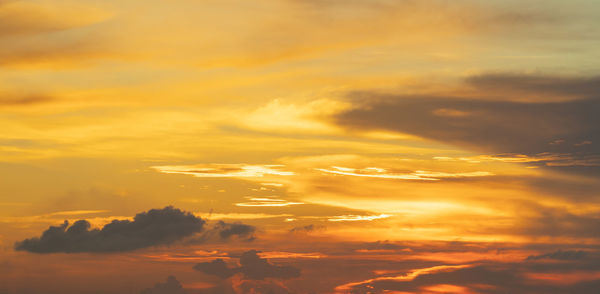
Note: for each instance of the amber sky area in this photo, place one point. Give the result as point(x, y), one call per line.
point(299, 146)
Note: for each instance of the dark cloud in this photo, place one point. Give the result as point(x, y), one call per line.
point(537, 84)
point(223, 231)
point(256, 268)
point(252, 266)
point(227, 230)
point(498, 126)
point(483, 278)
point(560, 255)
point(24, 100)
point(558, 222)
point(217, 267)
point(267, 287)
point(307, 229)
point(383, 245)
point(171, 286)
point(151, 228)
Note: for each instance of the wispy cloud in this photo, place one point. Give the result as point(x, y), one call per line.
point(407, 277)
point(266, 201)
point(224, 170)
point(547, 158)
point(353, 218)
point(373, 172)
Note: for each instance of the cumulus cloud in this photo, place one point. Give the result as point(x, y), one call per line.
point(171, 286)
point(151, 228)
point(252, 267)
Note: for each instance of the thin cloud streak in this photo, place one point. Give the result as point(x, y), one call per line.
point(224, 170)
point(416, 175)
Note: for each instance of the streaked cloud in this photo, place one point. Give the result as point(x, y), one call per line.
point(408, 277)
point(35, 17)
point(546, 158)
point(266, 202)
point(238, 216)
point(224, 170)
point(373, 172)
point(353, 218)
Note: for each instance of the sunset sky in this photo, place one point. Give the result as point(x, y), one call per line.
point(299, 146)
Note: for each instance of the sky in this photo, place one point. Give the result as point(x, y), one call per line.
point(299, 146)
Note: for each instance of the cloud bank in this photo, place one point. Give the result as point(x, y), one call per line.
point(151, 228)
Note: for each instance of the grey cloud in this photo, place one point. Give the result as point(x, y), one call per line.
point(217, 267)
point(151, 228)
point(537, 84)
point(256, 268)
point(171, 286)
point(498, 126)
point(560, 222)
point(483, 278)
point(24, 100)
point(252, 266)
point(307, 229)
point(223, 231)
point(227, 230)
point(268, 287)
point(560, 255)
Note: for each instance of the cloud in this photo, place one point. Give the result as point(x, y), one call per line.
point(500, 125)
point(352, 218)
point(51, 33)
point(252, 267)
point(224, 170)
point(307, 229)
point(490, 278)
point(266, 201)
point(560, 255)
point(540, 85)
point(171, 286)
point(373, 172)
point(546, 158)
point(559, 222)
point(151, 228)
point(29, 18)
point(227, 230)
point(24, 100)
point(254, 286)
point(217, 267)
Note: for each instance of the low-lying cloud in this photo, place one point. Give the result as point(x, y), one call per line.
point(151, 228)
point(170, 286)
point(252, 267)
